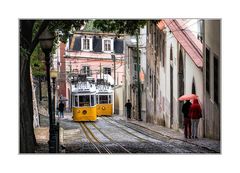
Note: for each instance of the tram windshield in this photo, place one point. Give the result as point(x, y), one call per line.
point(84, 101)
point(103, 99)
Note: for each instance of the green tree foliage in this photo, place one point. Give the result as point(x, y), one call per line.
point(30, 30)
point(89, 27)
point(131, 27)
point(38, 66)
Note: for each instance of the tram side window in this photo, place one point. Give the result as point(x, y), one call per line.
point(84, 101)
point(97, 99)
point(103, 99)
point(76, 101)
point(92, 100)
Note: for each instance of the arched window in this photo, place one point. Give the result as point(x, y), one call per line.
point(171, 53)
point(193, 87)
point(180, 74)
point(180, 86)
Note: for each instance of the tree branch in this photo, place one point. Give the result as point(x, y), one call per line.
point(40, 30)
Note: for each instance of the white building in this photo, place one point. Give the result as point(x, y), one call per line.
point(131, 79)
point(212, 77)
point(179, 72)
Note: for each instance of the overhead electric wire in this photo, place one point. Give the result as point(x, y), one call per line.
point(184, 29)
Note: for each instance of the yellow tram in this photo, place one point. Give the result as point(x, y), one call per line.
point(84, 100)
point(104, 98)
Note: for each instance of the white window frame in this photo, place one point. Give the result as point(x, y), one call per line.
point(84, 68)
point(111, 45)
point(90, 43)
point(107, 68)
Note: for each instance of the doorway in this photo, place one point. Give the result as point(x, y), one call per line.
point(193, 87)
point(180, 87)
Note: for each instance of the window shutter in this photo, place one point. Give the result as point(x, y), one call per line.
point(118, 46)
point(97, 44)
point(77, 44)
point(70, 42)
point(94, 43)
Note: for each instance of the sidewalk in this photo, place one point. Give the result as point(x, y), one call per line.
point(42, 137)
point(42, 134)
point(209, 144)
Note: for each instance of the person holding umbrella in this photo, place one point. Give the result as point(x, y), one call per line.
point(195, 113)
point(187, 121)
point(186, 109)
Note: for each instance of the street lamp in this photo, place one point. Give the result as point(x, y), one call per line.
point(53, 75)
point(46, 43)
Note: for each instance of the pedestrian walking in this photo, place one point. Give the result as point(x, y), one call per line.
point(195, 113)
point(61, 109)
point(187, 121)
point(128, 105)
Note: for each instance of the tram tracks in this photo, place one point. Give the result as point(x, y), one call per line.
point(189, 147)
point(110, 139)
point(194, 148)
point(98, 145)
point(165, 147)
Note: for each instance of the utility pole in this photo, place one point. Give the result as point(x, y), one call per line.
point(138, 81)
point(100, 71)
point(114, 72)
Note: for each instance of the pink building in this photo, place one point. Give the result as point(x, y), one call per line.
point(93, 54)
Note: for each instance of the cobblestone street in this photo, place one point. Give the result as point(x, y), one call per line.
point(118, 135)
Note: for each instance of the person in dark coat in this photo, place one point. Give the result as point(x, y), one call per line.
point(61, 109)
point(187, 121)
point(128, 105)
point(195, 113)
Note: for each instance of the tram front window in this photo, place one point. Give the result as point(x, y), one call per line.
point(103, 99)
point(76, 101)
point(84, 101)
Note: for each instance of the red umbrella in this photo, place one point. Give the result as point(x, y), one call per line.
point(187, 97)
